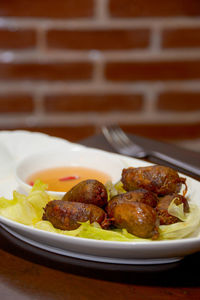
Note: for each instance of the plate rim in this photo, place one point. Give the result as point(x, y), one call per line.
point(96, 258)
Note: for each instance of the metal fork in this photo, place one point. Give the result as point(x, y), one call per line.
point(118, 139)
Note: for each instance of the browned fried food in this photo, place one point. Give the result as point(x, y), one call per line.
point(88, 191)
point(140, 195)
point(157, 179)
point(67, 215)
point(138, 218)
point(162, 208)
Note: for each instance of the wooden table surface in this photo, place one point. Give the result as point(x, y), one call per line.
point(30, 273)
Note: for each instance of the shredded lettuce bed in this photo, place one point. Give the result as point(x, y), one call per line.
point(28, 210)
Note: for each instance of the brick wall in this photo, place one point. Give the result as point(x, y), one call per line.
point(75, 65)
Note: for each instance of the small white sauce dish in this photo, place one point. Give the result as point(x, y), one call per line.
point(108, 163)
point(6, 161)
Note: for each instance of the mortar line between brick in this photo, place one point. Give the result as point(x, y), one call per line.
point(97, 87)
point(150, 98)
point(38, 103)
point(155, 39)
point(101, 10)
point(94, 55)
point(98, 73)
point(41, 40)
point(8, 22)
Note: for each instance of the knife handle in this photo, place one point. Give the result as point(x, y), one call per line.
point(183, 165)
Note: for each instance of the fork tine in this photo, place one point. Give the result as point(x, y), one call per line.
point(124, 138)
point(121, 142)
point(117, 135)
point(111, 136)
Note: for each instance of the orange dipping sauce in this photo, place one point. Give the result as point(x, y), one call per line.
point(62, 179)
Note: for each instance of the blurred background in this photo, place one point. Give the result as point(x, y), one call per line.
point(67, 67)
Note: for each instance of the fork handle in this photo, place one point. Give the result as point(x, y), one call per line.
point(176, 162)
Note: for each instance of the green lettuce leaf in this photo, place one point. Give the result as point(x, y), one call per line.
point(189, 227)
point(26, 209)
point(177, 210)
point(114, 189)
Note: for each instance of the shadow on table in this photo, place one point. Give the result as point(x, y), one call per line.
point(177, 274)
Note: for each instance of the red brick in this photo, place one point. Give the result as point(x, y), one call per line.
point(181, 38)
point(46, 71)
point(47, 9)
point(16, 103)
point(154, 8)
point(165, 131)
point(179, 101)
point(98, 103)
point(98, 39)
point(71, 133)
point(155, 131)
point(17, 39)
point(154, 70)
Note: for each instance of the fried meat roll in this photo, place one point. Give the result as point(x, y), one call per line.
point(160, 180)
point(88, 191)
point(138, 218)
point(140, 195)
point(67, 215)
